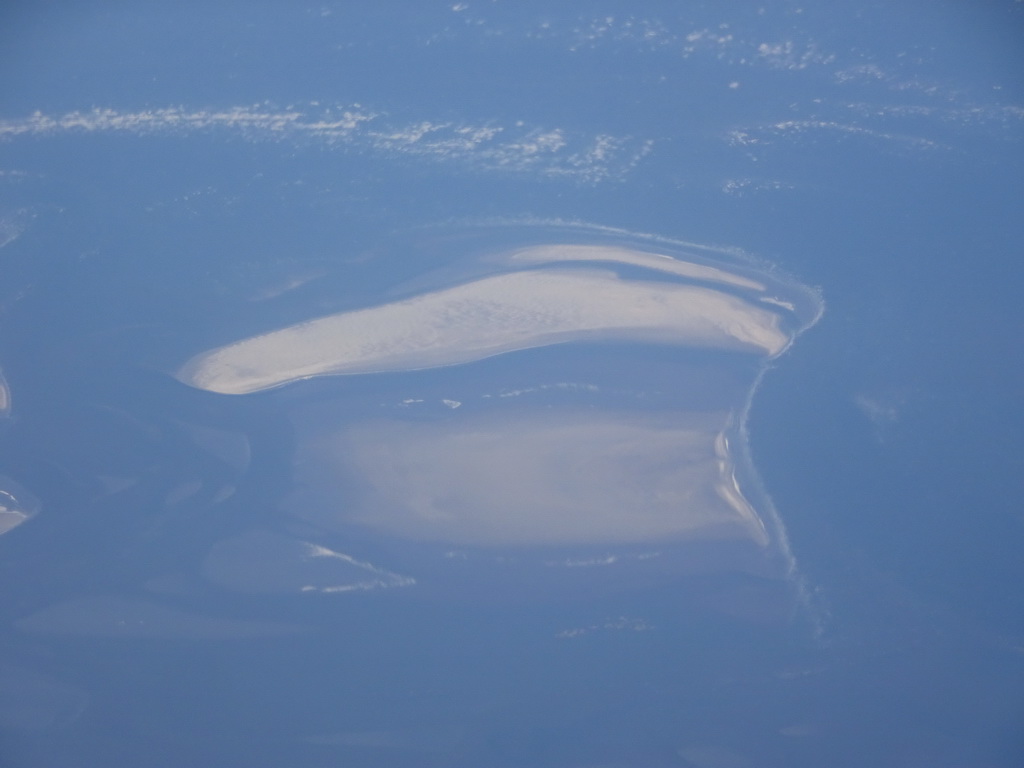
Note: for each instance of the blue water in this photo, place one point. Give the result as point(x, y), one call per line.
point(869, 151)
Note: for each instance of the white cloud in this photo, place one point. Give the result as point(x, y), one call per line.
point(616, 624)
point(745, 186)
point(792, 56)
point(797, 129)
point(483, 146)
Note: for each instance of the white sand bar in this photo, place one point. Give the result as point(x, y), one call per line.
point(491, 316)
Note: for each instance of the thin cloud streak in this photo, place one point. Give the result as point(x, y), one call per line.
point(519, 148)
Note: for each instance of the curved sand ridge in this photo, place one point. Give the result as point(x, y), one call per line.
point(503, 313)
